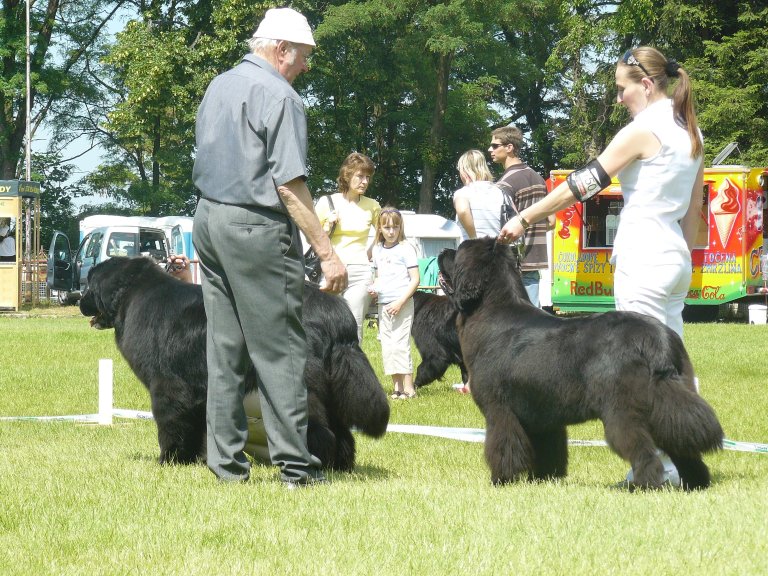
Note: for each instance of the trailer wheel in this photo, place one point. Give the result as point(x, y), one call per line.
point(706, 313)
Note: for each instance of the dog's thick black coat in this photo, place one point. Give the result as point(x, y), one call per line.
point(160, 329)
point(434, 333)
point(533, 374)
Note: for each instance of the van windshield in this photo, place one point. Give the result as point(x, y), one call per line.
point(153, 243)
point(122, 244)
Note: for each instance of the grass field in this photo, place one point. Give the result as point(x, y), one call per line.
point(88, 499)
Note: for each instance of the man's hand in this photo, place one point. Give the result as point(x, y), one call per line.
point(335, 274)
point(178, 267)
point(298, 202)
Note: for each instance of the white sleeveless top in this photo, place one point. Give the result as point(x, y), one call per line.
point(657, 190)
point(485, 200)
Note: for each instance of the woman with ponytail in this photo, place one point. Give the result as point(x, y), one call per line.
point(658, 158)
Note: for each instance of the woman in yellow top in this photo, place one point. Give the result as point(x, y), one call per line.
point(354, 214)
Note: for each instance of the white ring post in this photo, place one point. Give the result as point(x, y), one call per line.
point(105, 391)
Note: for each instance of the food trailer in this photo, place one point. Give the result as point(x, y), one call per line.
point(726, 256)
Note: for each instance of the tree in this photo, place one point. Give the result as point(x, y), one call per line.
point(154, 77)
point(55, 75)
point(57, 211)
point(722, 45)
point(731, 80)
point(408, 83)
point(411, 84)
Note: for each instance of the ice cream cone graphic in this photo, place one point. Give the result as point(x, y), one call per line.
point(725, 209)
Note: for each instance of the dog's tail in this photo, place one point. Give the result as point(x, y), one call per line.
point(683, 423)
point(360, 399)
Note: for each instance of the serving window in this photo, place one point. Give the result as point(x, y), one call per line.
point(601, 220)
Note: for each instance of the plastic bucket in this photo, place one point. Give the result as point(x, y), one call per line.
point(757, 313)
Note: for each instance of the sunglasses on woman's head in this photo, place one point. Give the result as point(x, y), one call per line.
point(630, 60)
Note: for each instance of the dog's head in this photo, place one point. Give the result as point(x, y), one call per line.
point(477, 265)
point(108, 283)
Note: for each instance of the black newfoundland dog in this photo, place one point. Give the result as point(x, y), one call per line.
point(434, 333)
point(160, 329)
point(533, 374)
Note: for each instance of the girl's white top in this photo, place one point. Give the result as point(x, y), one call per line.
point(392, 264)
point(485, 200)
point(656, 190)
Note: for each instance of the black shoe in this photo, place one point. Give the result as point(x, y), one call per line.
point(305, 482)
point(232, 479)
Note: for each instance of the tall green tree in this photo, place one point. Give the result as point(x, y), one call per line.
point(409, 84)
point(62, 36)
point(154, 75)
point(56, 197)
point(721, 44)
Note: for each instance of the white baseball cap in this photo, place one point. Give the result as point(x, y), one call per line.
point(285, 24)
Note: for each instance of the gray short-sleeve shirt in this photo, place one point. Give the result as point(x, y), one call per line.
point(251, 135)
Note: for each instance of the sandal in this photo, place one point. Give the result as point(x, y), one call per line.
point(396, 395)
point(407, 395)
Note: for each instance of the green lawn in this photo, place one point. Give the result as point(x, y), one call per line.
point(88, 499)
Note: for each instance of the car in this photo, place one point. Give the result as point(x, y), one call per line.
point(68, 273)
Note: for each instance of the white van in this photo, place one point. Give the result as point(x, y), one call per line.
point(178, 232)
point(68, 272)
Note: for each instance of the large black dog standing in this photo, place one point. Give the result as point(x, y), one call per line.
point(533, 374)
point(160, 329)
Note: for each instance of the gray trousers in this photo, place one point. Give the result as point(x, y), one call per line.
point(253, 283)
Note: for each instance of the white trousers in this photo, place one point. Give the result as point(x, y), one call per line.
point(656, 289)
point(356, 295)
point(395, 336)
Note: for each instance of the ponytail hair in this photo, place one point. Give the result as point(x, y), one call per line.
point(645, 61)
point(685, 115)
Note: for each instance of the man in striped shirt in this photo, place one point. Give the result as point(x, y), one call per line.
point(525, 186)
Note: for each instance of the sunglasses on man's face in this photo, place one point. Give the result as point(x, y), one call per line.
point(495, 145)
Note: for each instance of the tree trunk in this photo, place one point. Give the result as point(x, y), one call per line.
point(426, 192)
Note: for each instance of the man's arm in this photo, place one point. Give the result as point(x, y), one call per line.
point(298, 202)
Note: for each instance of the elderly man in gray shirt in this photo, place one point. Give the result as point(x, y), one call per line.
point(251, 169)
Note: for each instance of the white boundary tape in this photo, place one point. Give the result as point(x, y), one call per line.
point(462, 434)
point(478, 435)
point(107, 412)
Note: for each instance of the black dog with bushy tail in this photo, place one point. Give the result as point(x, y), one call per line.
point(160, 329)
point(533, 374)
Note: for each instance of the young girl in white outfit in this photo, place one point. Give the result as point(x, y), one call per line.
point(396, 277)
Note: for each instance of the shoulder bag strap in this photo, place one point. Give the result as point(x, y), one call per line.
point(331, 206)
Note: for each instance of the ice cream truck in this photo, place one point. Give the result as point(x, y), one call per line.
point(726, 256)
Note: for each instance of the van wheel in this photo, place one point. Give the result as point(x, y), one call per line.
point(65, 298)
